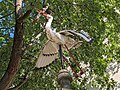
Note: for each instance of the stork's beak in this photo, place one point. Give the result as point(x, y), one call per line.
point(42, 13)
point(86, 36)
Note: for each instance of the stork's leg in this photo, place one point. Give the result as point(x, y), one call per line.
point(74, 59)
point(61, 56)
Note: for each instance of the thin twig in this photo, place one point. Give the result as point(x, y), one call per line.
point(6, 27)
point(25, 79)
point(10, 2)
point(7, 15)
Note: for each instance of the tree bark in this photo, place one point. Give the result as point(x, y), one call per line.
point(15, 57)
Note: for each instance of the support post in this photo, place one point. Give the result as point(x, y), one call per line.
point(64, 79)
point(61, 56)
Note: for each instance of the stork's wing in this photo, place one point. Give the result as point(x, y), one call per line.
point(75, 35)
point(67, 32)
point(71, 33)
point(48, 55)
point(70, 36)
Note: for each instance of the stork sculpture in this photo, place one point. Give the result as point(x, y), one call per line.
point(55, 39)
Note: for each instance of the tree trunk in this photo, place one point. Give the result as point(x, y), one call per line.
point(15, 57)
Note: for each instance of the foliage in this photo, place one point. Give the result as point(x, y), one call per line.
point(100, 18)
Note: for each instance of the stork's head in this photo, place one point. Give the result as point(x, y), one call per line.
point(49, 17)
point(46, 15)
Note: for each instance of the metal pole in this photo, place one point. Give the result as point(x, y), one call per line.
point(64, 79)
point(61, 56)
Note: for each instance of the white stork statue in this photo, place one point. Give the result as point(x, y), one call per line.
point(50, 50)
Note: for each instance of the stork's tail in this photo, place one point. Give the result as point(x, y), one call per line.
point(86, 36)
point(82, 34)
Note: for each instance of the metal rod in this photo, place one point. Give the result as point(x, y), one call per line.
point(74, 72)
point(61, 56)
point(73, 58)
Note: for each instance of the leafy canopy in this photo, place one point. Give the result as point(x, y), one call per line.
point(100, 18)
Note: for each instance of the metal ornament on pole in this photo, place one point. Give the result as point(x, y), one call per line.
point(64, 79)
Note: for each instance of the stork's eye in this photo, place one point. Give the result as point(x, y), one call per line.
point(48, 17)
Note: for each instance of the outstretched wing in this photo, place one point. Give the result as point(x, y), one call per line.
point(67, 32)
point(48, 55)
point(74, 34)
point(70, 39)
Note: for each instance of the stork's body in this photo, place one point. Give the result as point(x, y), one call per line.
point(54, 36)
point(50, 51)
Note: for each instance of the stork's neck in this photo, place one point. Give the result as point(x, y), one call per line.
point(48, 24)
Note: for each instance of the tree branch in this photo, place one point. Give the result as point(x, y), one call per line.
point(24, 16)
point(25, 79)
point(6, 27)
point(32, 42)
point(7, 15)
point(11, 3)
